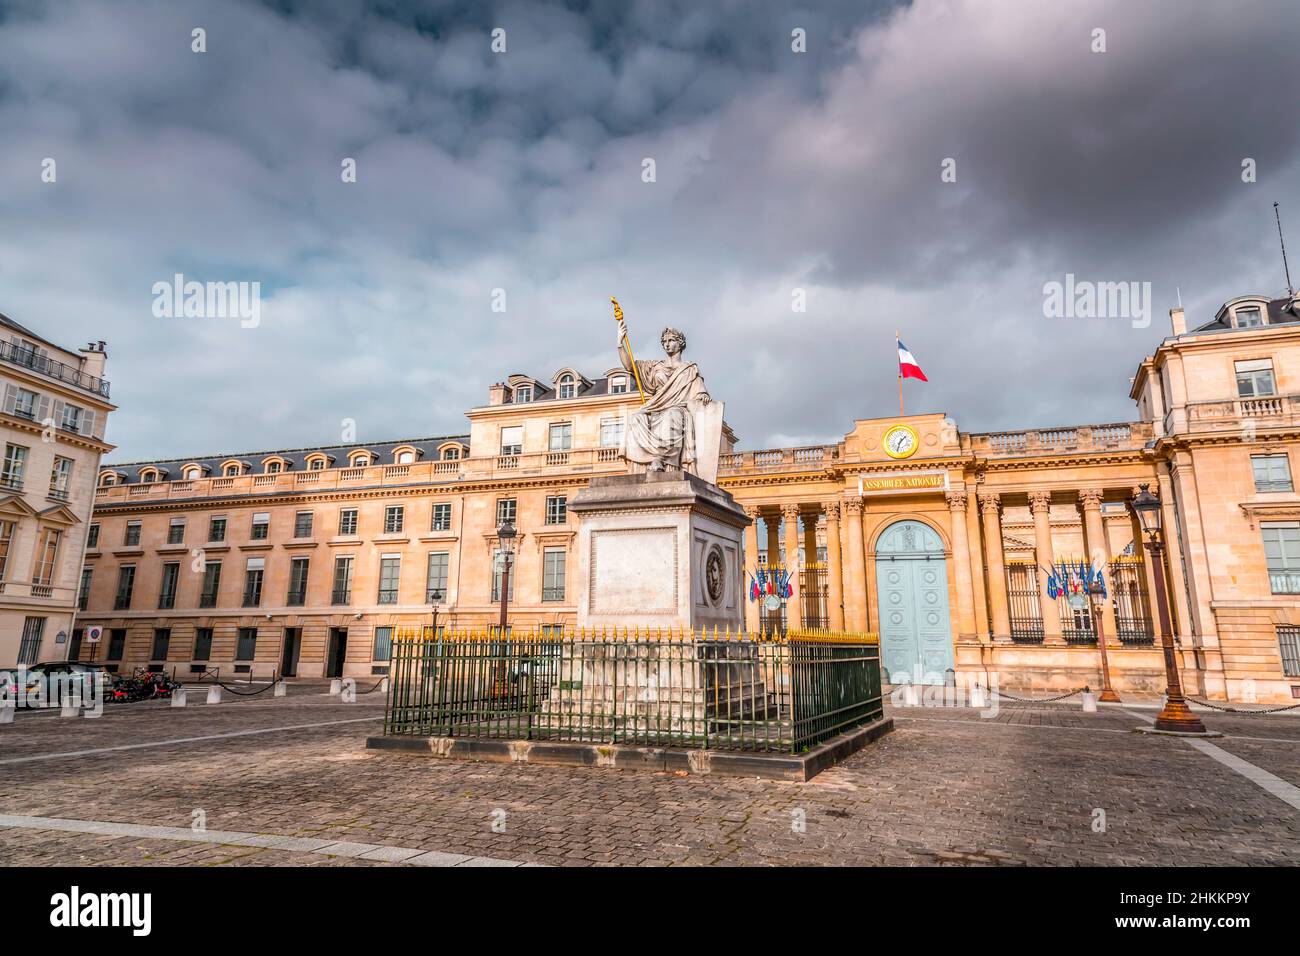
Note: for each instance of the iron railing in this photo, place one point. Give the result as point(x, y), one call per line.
point(1128, 593)
point(28, 357)
point(1022, 597)
point(704, 690)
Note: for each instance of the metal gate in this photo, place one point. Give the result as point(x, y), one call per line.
point(1022, 595)
point(1128, 592)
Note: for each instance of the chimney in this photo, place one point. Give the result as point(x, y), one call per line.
point(497, 394)
point(93, 358)
point(1178, 319)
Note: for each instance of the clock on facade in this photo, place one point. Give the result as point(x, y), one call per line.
point(901, 441)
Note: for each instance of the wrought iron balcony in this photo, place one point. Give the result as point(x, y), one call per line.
point(29, 358)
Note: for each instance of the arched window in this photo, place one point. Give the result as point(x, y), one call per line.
point(149, 476)
point(273, 467)
point(231, 471)
point(405, 457)
point(617, 384)
point(567, 386)
point(451, 454)
point(316, 464)
point(108, 478)
point(192, 473)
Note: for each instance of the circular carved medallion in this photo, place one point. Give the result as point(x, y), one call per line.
point(715, 568)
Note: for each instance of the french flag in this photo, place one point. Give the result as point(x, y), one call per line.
point(907, 367)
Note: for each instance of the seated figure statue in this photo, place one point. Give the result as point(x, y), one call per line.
point(662, 432)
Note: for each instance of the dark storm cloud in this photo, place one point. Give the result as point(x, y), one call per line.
point(522, 171)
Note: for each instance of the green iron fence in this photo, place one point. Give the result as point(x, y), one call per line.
point(709, 690)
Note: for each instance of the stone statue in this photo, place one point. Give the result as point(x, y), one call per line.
point(679, 426)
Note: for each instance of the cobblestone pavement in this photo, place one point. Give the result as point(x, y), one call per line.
point(947, 787)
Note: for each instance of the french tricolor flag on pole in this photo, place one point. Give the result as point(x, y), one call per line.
point(907, 367)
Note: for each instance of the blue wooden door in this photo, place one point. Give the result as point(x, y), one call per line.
point(912, 590)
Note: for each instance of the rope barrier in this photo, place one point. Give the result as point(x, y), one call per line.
point(373, 689)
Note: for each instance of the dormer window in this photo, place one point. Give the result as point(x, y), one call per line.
point(108, 479)
point(272, 467)
point(1248, 318)
point(523, 394)
point(404, 457)
point(230, 471)
point(567, 387)
point(191, 474)
point(451, 454)
point(316, 464)
point(149, 476)
point(359, 459)
point(617, 384)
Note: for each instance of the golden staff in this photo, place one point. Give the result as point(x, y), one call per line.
point(618, 317)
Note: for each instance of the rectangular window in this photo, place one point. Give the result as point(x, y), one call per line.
point(1255, 378)
point(131, 538)
point(505, 511)
point(1282, 552)
point(512, 440)
point(561, 437)
point(25, 403)
point(176, 531)
point(498, 566)
point(394, 517)
point(83, 592)
point(1248, 319)
point(29, 649)
point(302, 524)
point(171, 574)
point(125, 585)
point(6, 539)
point(261, 526)
point(435, 590)
point(61, 479)
point(441, 518)
point(1288, 641)
point(297, 582)
point(246, 647)
point(202, 644)
point(47, 555)
point(1272, 472)
point(553, 564)
point(342, 592)
point(92, 537)
point(347, 522)
point(72, 418)
point(116, 643)
point(211, 584)
point(253, 582)
point(162, 640)
point(390, 572)
point(611, 432)
point(15, 466)
point(217, 528)
point(557, 509)
point(523, 394)
point(618, 385)
point(383, 644)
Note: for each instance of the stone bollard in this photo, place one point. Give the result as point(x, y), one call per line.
point(336, 687)
point(7, 710)
point(910, 696)
point(214, 694)
point(281, 689)
point(178, 697)
point(1089, 702)
point(383, 686)
point(979, 698)
point(69, 707)
point(348, 693)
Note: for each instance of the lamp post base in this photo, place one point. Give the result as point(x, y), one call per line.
point(1177, 717)
point(1108, 696)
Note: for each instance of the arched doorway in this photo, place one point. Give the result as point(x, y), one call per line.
point(912, 589)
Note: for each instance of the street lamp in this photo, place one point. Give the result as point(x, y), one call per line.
point(435, 597)
point(506, 533)
point(1176, 716)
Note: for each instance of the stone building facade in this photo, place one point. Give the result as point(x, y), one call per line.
point(55, 408)
point(934, 537)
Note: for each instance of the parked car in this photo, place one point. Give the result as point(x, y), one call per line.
point(50, 679)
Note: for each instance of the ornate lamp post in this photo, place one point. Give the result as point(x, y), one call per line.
point(1176, 716)
point(506, 533)
point(1107, 692)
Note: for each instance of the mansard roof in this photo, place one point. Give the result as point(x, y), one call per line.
point(1276, 312)
point(296, 457)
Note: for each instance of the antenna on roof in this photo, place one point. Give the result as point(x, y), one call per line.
point(1282, 242)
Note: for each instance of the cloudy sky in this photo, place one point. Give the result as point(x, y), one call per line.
point(775, 170)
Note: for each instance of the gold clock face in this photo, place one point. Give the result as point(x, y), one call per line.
point(901, 441)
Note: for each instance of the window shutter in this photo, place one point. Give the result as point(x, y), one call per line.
point(59, 405)
point(11, 399)
point(43, 410)
point(87, 422)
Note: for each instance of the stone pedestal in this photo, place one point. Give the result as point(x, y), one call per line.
point(659, 550)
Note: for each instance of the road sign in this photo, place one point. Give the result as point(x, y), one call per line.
point(94, 633)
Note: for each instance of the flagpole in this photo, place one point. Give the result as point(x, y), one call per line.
point(900, 376)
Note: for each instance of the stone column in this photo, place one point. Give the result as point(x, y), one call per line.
point(1040, 503)
point(751, 566)
point(793, 607)
point(976, 552)
point(810, 519)
point(855, 580)
point(773, 539)
point(990, 508)
point(1095, 537)
point(961, 566)
point(835, 584)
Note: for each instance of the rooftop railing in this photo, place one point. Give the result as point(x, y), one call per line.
point(29, 358)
